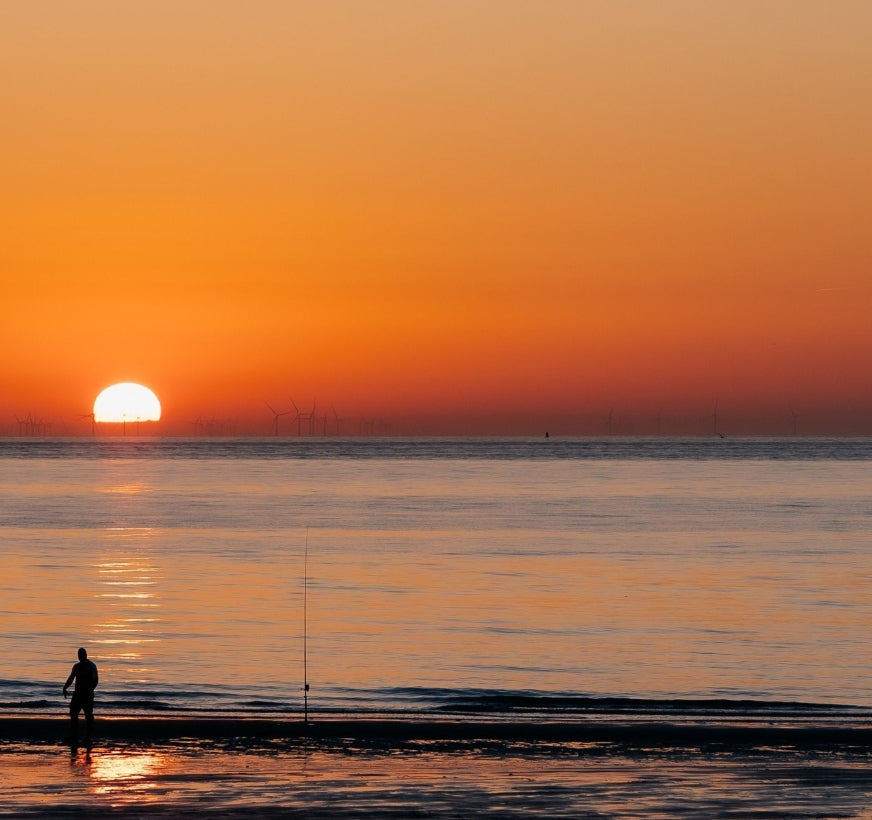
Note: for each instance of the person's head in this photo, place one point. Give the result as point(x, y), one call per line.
point(82, 653)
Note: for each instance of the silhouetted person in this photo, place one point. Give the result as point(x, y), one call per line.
point(85, 675)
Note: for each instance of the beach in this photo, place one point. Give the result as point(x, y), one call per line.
point(493, 628)
point(338, 768)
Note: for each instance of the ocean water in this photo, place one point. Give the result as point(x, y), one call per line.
point(437, 576)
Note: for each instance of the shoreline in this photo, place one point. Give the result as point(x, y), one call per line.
point(397, 733)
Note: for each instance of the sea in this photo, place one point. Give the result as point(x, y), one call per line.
point(438, 577)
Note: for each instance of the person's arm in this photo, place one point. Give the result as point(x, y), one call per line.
point(96, 675)
point(70, 680)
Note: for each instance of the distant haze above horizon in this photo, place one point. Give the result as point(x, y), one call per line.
point(476, 216)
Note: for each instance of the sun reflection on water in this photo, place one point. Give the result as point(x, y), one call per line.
point(129, 773)
point(127, 591)
point(126, 489)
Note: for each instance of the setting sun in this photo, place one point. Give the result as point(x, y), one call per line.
point(126, 401)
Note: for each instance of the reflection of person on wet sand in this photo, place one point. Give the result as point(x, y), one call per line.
point(85, 675)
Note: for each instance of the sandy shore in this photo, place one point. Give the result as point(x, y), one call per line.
point(387, 733)
point(440, 769)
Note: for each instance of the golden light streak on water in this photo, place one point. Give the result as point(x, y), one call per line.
point(125, 773)
point(128, 581)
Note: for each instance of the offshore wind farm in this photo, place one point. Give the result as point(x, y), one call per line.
point(325, 421)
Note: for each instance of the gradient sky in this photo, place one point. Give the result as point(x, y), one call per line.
point(479, 214)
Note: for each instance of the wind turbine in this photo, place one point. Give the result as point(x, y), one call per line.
point(299, 418)
point(276, 416)
point(714, 418)
point(93, 422)
point(312, 419)
point(309, 417)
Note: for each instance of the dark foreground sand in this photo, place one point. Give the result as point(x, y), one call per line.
point(439, 769)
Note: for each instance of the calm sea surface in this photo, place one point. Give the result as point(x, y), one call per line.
point(438, 574)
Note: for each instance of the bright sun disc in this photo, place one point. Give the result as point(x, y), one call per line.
point(126, 402)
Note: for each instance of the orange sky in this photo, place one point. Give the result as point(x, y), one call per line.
point(463, 215)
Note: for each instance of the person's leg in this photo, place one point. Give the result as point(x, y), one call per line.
point(89, 719)
point(74, 720)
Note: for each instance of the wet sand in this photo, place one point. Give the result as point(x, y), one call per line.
point(396, 733)
point(440, 769)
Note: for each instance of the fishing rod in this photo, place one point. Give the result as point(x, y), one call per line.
point(305, 629)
